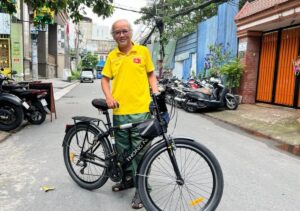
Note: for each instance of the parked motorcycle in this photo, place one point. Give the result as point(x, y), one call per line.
point(215, 97)
point(11, 109)
point(36, 99)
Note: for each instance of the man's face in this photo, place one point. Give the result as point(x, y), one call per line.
point(122, 34)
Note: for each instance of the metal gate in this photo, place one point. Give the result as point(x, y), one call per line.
point(285, 84)
point(276, 79)
point(267, 67)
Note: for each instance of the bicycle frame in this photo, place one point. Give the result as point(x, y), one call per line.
point(112, 149)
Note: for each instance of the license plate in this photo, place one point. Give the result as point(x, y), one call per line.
point(25, 105)
point(44, 102)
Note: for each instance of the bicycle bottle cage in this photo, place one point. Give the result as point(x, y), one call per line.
point(150, 129)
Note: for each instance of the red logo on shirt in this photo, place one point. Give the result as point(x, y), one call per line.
point(137, 60)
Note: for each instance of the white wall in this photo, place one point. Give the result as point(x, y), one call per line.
point(177, 71)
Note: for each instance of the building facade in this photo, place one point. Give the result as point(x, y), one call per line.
point(269, 42)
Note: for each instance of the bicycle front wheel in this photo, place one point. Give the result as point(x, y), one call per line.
point(202, 185)
point(82, 154)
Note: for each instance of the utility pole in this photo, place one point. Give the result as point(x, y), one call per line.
point(34, 35)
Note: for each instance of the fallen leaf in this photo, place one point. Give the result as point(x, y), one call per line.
point(47, 188)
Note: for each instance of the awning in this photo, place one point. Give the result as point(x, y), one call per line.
point(100, 63)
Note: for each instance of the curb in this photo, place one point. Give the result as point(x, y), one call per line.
point(293, 149)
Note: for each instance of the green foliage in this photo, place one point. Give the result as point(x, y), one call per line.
point(182, 24)
point(243, 2)
point(73, 7)
point(89, 61)
point(232, 71)
point(218, 57)
point(75, 75)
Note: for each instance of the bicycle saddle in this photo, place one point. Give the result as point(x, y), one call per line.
point(100, 104)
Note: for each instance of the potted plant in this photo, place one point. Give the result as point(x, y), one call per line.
point(232, 72)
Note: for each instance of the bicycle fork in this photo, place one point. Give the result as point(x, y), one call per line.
point(171, 149)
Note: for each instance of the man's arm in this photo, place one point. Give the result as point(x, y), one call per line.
point(153, 82)
point(111, 102)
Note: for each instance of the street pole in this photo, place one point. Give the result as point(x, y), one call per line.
point(35, 73)
point(34, 53)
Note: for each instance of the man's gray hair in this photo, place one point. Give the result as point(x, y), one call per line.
point(123, 20)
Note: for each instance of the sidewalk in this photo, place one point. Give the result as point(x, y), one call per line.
point(269, 121)
point(274, 122)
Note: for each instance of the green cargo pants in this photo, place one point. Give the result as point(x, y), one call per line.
point(129, 139)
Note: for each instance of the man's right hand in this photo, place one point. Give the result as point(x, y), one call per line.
point(112, 103)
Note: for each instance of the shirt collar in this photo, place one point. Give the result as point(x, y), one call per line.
point(133, 49)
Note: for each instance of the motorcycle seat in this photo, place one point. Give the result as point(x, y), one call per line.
point(9, 87)
point(203, 90)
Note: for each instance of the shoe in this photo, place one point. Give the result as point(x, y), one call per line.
point(136, 201)
point(128, 183)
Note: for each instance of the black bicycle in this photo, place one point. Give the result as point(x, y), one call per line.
point(174, 174)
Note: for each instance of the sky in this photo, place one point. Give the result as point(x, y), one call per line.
point(121, 14)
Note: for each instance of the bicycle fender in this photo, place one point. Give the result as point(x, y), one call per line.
point(105, 139)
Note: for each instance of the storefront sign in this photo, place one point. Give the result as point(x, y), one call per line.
point(17, 48)
point(4, 23)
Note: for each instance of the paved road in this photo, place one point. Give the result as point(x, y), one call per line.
point(257, 175)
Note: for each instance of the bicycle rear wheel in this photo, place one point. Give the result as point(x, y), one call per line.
point(202, 175)
point(78, 156)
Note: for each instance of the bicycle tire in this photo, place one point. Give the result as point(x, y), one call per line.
point(199, 159)
point(88, 181)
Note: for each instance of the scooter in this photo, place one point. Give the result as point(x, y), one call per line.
point(11, 109)
point(217, 96)
point(36, 99)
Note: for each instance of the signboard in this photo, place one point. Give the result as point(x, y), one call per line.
point(17, 48)
point(242, 49)
point(242, 46)
point(4, 23)
point(49, 98)
point(60, 39)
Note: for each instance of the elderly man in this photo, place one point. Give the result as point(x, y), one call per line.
point(131, 70)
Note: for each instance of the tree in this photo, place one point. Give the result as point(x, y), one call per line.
point(89, 61)
point(218, 56)
point(102, 8)
point(174, 18)
point(232, 71)
point(243, 2)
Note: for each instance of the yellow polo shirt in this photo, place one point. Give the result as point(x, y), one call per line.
point(130, 86)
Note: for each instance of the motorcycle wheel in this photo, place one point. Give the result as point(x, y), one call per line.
point(11, 116)
point(38, 114)
point(188, 108)
point(231, 103)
